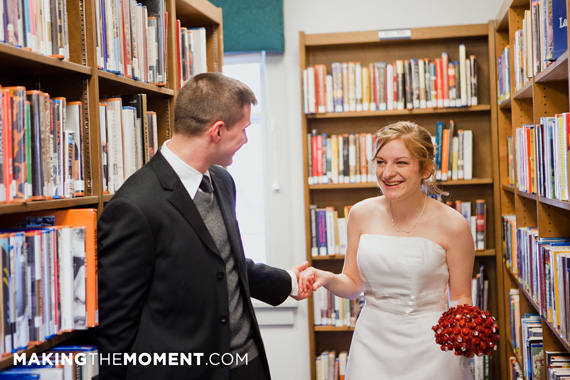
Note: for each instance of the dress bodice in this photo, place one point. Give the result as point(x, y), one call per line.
point(403, 274)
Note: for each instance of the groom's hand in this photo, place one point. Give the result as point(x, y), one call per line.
point(303, 293)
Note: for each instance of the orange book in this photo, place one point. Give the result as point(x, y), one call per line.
point(445, 155)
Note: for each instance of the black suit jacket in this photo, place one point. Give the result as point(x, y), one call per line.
point(162, 281)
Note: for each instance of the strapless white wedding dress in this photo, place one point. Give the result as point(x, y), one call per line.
point(405, 285)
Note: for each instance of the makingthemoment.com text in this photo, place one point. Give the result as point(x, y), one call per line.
point(142, 359)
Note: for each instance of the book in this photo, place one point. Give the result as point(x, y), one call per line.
point(480, 213)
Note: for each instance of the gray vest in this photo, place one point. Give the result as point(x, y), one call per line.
point(241, 338)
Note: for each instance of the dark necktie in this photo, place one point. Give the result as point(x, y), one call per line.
point(205, 185)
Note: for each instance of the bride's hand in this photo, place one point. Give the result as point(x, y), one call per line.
point(311, 279)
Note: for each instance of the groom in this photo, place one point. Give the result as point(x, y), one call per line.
point(173, 278)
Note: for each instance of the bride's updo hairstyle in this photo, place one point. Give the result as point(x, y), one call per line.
point(418, 141)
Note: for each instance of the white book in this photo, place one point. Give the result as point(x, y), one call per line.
point(78, 276)
point(342, 235)
point(467, 154)
point(462, 75)
point(129, 127)
point(199, 55)
point(68, 164)
point(358, 85)
point(305, 92)
point(65, 260)
point(74, 122)
point(115, 141)
point(331, 231)
point(311, 95)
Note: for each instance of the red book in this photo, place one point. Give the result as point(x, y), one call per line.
point(444, 74)
point(7, 145)
point(439, 82)
point(480, 224)
point(179, 55)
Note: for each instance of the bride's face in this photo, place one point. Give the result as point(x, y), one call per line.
point(397, 171)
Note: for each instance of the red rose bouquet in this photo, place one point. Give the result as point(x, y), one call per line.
point(466, 330)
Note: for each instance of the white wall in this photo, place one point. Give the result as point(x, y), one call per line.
point(287, 347)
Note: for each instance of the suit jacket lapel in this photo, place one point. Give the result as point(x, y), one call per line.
point(180, 198)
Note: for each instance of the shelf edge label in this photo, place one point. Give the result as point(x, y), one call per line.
point(394, 34)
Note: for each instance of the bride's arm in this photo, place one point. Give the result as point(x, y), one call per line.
point(460, 258)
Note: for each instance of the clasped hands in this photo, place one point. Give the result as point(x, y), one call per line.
point(309, 279)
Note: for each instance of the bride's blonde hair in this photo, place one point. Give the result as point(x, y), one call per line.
point(418, 141)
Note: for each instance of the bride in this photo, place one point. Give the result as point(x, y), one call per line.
point(411, 255)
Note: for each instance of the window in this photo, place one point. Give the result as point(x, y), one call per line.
point(248, 168)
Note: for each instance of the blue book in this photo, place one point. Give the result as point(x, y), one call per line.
point(438, 146)
point(559, 28)
point(322, 231)
point(19, 376)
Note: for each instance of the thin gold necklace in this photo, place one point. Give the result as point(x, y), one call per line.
point(409, 229)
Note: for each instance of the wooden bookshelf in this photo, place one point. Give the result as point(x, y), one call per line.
point(366, 47)
point(81, 79)
point(546, 94)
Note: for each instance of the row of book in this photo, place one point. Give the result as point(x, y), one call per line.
point(131, 39)
point(330, 366)
point(191, 52)
point(549, 31)
point(480, 365)
point(36, 25)
point(542, 39)
point(328, 231)
point(403, 84)
point(63, 362)
point(49, 276)
point(477, 220)
point(128, 137)
point(543, 268)
point(42, 147)
point(346, 158)
point(538, 154)
point(343, 158)
point(331, 310)
point(453, 154)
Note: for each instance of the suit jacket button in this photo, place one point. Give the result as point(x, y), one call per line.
point(224, 318)
point(220, 275)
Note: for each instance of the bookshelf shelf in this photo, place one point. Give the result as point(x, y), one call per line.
point(29, 63)
point(373, 185)
point(365, 47)
point(333, 329)
point(198, 13)
point(558, 335)
point(508, 189)
point(505, 104)
point(555, 202)
point(526, 195)
point(406, 112)
point(8, 360)
point(325, 258)
point(487, 252)
point(110, 83)
point(556, 72)
point(11, 208)
point(525, 92)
